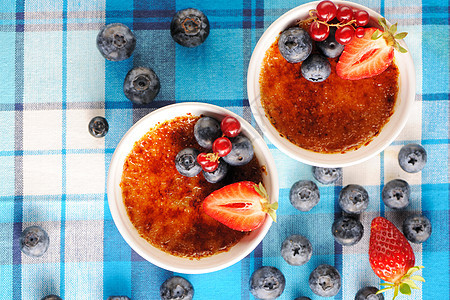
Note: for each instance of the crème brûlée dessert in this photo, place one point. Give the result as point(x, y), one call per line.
point(330, 102)
point(166, 207)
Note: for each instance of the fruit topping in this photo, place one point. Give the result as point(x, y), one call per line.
point(319, 31)
point(241, 206)
point(344, 14)
point(330, 47)
point(141, 85)
point(364, 57)
point(361, 18)
point(347, 231)
point(222, 146)
point(344, 35)
point(116, 42)
point(186, 162)
point(206, 131)
point(353, 199)
point(34, 241)
point(304, 195)
point(189, 27)
point(326, 11)
point(327, 175)
point(417, 228)
point(208, 161)
point(241, 152)
point(316, 68)
point(412, 158)
point(392, 258)
point(325, 281)
point(395, 194)
point(230, 126)
point(98, 127)
point(296, 250)
point(368, 293)
point(176, 288)
point(295, 44)
point(218, 174)
point(267, 283)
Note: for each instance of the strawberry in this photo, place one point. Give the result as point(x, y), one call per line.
point(370, 55)
point(392, 258)
point(241, 206)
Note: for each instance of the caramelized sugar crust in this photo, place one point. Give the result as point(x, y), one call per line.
point(332, 116)
point(166, 207)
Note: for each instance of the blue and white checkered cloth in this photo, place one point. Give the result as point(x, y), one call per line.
point(53, 81)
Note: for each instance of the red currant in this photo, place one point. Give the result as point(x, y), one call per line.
point(230, 126)
point(326, 11)
point(208, 161)
point(319, 31)
point(362, 18)
point(222, 146)
point(360, 32)
point(344, 34)
point(344, 14)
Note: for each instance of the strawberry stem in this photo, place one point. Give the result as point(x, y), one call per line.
point(404, 284)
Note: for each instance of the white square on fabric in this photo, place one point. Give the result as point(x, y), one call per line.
point(85, 173)
point(78, 135)
point(81, 233)
point(42, 130)
point(42, 174)
point(42, 67)
point(85, 68)
point(413, 128)
point(365, 174)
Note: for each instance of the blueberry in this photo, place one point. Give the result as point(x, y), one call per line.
point(218, 174)
point(116, 42)
point(241, 151)
point(186, 162)
point(417, 228)
point(296, 250)
point(353, 199)
point(302, 298)
point(98, 127)
point(304, 195)
point(118, 298)
point(325, 281)
point(368, 293)
point(206, 131)
point(267, 283)
point(395, 194)
point(34, 241)
point(176, 288)
point(347, 231)
point(316, 68)
point(141, 85)
point(330, 47)
point(51, 297)
point(189, 27)
point(295, 44)
point(412, 158)
point(327, 175)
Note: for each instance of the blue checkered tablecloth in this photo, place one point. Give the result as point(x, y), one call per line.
point(52, 172)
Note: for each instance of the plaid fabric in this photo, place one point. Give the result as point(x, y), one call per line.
point(53, 81)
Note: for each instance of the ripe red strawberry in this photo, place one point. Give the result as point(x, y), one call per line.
point(365, 57)
point(241, 206)
point(391, 257)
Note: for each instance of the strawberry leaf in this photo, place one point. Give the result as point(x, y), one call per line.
point(405, 289)
point(393, 29)
point(400, 35)
point(411, 284)
point(376, 35)
point(418, 278)
point(382, 22)
point(387, 284)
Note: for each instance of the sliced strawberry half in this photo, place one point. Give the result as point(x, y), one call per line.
point(241, 206)
point(365, 57)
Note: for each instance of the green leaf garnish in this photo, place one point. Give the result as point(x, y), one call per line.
point(404, 284)
point(269, 208)
point(390, 35)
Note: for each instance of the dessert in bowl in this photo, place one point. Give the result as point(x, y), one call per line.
point(336, 122)
point(129, 191)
